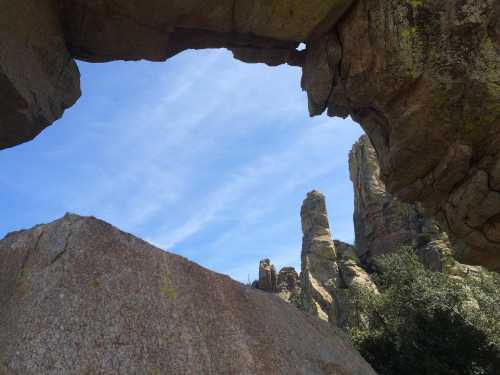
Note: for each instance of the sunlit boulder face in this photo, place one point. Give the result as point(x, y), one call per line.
point(78, 296)
point(420, 76)
point(319, 270)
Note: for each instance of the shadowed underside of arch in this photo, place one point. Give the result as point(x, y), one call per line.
point(421, 77)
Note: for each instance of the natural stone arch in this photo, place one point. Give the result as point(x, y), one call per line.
point(421, 77)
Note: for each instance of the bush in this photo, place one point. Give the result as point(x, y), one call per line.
point(425, 322)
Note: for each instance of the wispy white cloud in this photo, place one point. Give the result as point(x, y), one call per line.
point(203, 155)
point(285, 168)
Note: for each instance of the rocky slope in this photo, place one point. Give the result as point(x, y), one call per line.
point(78, 296)
point(421, 77)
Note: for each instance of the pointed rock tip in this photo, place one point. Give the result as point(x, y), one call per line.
point(315, 193)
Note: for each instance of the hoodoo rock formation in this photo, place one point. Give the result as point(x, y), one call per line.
point(421, 77)
point(327, 267)
point(268, 280)
point(78, 296)
point(319, 271)
point(286, 285)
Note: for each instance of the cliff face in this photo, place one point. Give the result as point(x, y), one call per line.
point(421, 77)
point(382, 222)
point(78, 296)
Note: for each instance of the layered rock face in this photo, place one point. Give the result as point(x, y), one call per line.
point(421, 77)
point(78, 296)
point(382, 222)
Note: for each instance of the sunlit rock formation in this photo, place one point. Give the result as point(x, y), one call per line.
point(319, 271)
point(268, 280)
point(328, 267)
point(289, 285)
point(351, 270)
point(78, 296)
point(382, 222)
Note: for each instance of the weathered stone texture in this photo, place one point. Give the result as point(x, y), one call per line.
point(78, 296)
point(39, 39)
point(289, 285)
point(351, 270)
point(382, 222)
point(38, 77)
point(422, 78)
point(268, 280)
point(319, 270)
point(155, 29)
point(352, 276)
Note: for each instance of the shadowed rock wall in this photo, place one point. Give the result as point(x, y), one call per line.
point(422, 78)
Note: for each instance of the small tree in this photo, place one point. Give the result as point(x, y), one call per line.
point(427, 322)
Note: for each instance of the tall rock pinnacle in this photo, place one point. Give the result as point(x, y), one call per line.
point(320, 273)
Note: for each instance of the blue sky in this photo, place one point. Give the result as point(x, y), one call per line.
point(202, 155)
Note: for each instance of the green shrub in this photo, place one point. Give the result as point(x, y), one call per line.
point(425, 322)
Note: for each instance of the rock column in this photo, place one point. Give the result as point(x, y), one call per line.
point(320, 273)
point(268, 281)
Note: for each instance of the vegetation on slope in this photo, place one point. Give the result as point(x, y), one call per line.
point(426, 322)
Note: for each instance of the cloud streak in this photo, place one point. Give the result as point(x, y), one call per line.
point(203, 155)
